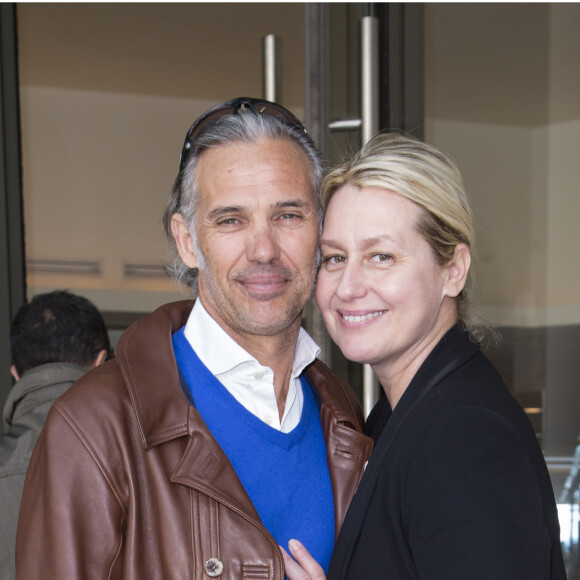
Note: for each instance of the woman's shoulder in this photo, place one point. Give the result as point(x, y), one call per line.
point(469, 403)
point(477, 385)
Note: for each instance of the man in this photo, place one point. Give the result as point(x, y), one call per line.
point(214, 435)
point(54, 340)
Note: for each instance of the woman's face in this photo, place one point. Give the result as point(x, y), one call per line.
point(384, 298)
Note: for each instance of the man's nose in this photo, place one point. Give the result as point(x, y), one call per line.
point(262, 244)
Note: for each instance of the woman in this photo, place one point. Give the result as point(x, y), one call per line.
point(457, 487)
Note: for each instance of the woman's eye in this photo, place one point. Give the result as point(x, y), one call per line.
point(333, 259)
point(382, 257)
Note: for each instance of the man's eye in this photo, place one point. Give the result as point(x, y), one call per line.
point(227, 222)
point(289, 216)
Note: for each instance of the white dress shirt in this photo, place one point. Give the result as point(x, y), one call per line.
point(250, 383)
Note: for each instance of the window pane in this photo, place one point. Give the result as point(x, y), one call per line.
point(503, 99)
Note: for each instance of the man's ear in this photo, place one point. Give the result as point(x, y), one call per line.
point(183, 240)
point(100, 359)
point(457, 271)
point(14, 373)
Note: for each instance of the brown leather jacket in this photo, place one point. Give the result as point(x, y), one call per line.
point(127, 482)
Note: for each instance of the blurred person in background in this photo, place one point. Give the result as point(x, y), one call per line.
point(54, 340)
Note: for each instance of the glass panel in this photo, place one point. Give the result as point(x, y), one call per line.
point(107, 94)
point(503, 99)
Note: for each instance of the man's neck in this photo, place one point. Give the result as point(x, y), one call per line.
point(277, 353)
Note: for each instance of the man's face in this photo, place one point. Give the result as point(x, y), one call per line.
point(257, 233)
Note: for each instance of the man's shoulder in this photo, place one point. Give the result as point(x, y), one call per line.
point(139, 390)
point(144, 347)
point(102, 388)
point(171, 316)
point(96, 414)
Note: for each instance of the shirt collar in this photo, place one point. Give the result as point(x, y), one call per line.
point(220, 353)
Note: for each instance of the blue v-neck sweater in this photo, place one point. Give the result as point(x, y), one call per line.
point(285, 474)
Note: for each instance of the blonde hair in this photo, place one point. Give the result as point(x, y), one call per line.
point(424, 175)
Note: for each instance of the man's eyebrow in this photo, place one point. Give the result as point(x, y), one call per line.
point(228, 209)
point(290, 203)
point(224, 210)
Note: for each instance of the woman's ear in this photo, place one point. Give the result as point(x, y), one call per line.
point(457, 271)
point(183, 240)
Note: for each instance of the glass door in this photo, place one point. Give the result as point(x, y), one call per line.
point(107, 93)
point(502, 97)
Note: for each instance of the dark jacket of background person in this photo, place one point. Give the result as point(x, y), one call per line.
point(24, 415)
point(457, 487)
point(148, 454)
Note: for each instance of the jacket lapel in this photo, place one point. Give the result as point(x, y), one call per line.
point(205, 467)
point(347, 448)
point(145, 355)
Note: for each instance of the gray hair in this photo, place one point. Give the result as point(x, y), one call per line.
point(244, 127)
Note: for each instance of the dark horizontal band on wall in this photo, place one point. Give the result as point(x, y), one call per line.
point(93, 268)
point(144, 271)
point(75, 267)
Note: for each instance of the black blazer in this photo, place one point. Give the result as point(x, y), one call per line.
point(457, 487)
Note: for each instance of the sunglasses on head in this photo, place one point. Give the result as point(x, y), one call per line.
point(233, 107)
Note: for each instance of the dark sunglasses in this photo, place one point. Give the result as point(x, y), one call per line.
point(233, 107)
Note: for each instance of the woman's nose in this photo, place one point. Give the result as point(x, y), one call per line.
point(352, 284)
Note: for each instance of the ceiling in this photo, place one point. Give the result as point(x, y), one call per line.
point(190, 50)
point(503, 63)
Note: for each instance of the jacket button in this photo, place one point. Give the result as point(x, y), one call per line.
point(213, 567)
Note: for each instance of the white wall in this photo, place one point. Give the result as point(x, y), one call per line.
point(523, 176)
point(105, 107)
point(98, 169)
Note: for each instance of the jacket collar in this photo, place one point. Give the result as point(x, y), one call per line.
point(335, 401)
point(146, 359)
point(145, 356)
